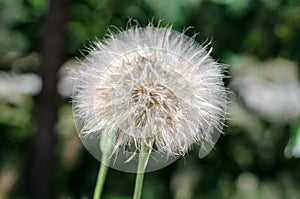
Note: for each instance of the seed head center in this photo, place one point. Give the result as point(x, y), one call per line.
point(154, 100)
point(150, 95)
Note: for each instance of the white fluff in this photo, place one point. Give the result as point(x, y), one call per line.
point(150, 83)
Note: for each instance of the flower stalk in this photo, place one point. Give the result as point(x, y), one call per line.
point(107, 143)
point(101, 177)
point(143, 160)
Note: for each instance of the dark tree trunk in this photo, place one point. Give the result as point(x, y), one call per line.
point(43, 148)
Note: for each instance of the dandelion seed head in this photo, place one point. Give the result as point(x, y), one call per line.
point(151, 83)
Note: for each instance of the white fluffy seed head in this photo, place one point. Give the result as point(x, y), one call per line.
point(150, 83)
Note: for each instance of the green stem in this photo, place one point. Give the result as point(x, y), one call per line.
point(143, 160)
point(101, 177)
point(107, 142)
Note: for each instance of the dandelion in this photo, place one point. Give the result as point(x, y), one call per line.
point(152, 88)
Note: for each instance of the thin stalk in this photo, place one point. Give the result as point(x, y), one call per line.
point(143, 160)
point(101, 177)
point(107, 142)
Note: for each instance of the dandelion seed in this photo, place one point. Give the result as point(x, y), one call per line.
point(150, 83)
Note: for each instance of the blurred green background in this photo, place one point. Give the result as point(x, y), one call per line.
point(41, 155)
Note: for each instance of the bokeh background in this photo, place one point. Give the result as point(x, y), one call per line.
point(41, 155)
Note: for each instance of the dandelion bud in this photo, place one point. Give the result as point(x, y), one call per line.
point(150, 86)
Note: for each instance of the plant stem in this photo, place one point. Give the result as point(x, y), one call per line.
point(106, 146)
point(101, 177)
point(143, 160)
